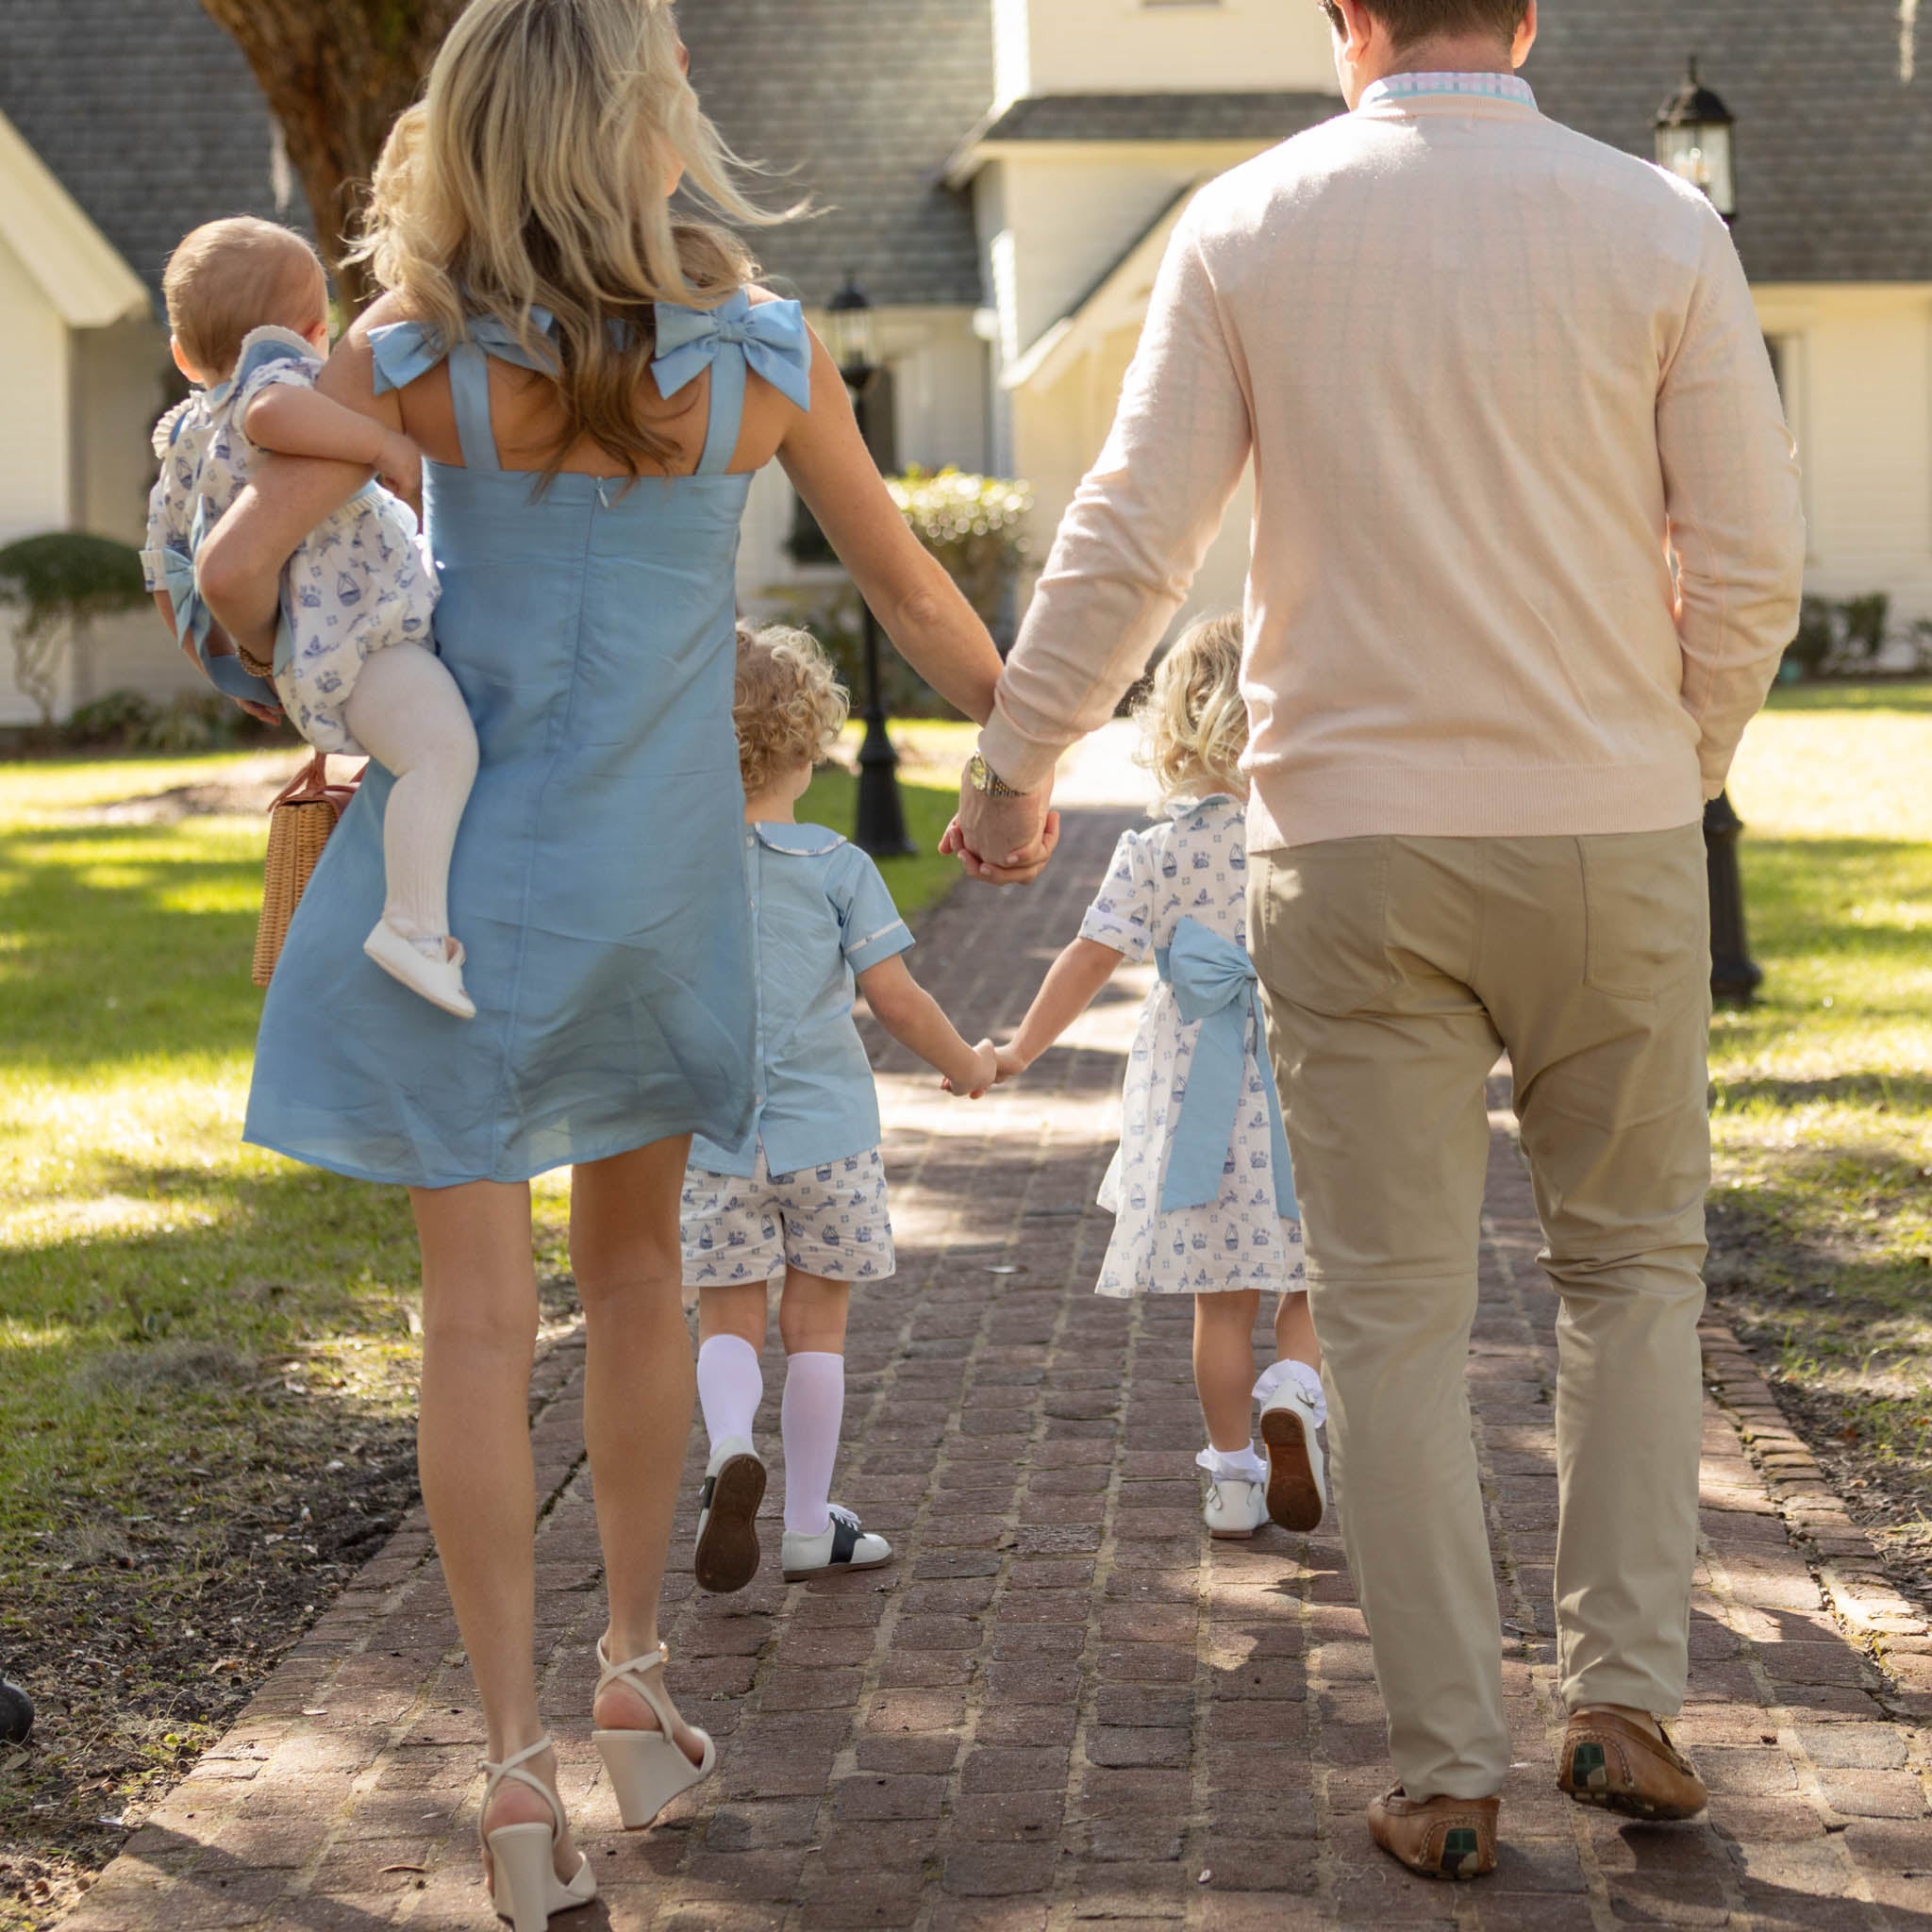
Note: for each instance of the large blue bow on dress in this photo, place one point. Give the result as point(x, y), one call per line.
point(404, 351)
point(773, 335)
point(1214, 983)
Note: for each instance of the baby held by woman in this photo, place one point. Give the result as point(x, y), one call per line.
point(355, 664)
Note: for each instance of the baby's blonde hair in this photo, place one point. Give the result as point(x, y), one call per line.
point(230, 277)
point(788, 706)
point(537, 171)
point(1194, 721)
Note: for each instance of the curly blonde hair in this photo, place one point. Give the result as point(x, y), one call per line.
point(786, 705)
point(535, 173)
point(1194, 721)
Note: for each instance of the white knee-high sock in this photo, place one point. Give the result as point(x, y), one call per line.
point(730, 1386)
point(813, 1408)
point(407, 712)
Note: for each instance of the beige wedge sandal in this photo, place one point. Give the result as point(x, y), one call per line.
point(523, 1885)
point(647, 1768)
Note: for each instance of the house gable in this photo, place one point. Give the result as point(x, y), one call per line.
point(85, 281)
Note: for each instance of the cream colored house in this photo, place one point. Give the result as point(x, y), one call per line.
point(1000, 176)
point(123, 124)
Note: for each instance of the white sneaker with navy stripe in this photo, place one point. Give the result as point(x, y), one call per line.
point(842, 1544)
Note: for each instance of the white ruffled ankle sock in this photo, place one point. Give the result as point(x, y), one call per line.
point(1233, 1465)
point(1287, 1370)
point(814, 1407)
point(730, 1386)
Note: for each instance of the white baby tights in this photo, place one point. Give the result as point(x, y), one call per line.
point(407, 712)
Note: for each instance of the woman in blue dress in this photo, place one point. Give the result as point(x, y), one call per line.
point(592, 385)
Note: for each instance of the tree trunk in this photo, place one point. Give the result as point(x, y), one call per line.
point(337, 72)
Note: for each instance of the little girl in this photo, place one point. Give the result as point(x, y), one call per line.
point(1201, 1187)
point(804, 1193)
point(248, 307)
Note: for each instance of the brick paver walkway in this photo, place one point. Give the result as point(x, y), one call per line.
point(1064, 1703)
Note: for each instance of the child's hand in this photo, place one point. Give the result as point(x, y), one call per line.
point(984, 1075)
point(400, 466)
point(1010, 1063)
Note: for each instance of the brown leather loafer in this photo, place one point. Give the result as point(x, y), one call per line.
point(1440, 1838)
point(1611, 1762)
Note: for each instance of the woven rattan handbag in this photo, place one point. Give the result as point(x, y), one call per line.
point(299, 822)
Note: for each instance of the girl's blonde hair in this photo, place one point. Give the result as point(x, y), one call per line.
point(1194, 721)
point(788, 706)
point(535, 173)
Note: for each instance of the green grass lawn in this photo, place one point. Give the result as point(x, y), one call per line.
point(207, 1356)
point(1822, 1219)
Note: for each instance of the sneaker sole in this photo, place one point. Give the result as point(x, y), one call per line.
point(1294, 1501)
point(726, 1557)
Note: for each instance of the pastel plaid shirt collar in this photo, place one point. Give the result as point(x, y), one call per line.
point(1402, 87)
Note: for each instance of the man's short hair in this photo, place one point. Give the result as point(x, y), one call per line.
point(1412, 22)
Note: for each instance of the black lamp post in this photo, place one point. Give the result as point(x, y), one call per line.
point(880, 827)
point(1693, 132)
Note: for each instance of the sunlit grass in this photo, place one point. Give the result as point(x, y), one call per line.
point(1823, 1089)
point(130, 1208)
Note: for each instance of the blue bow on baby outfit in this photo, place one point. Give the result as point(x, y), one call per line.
point(193, 621)
point(1214, 982)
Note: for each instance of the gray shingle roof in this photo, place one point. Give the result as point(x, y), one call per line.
point(867, 100)
point(1269, 116)
point(1834, 151)
point(147, 112)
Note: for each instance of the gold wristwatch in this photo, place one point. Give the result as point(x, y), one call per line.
point(982, 777)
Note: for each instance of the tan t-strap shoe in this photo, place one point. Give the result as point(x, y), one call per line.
point(1616, 1764)
point(1440, 1838)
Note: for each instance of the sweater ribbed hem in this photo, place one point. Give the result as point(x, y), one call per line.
point(1304, 807)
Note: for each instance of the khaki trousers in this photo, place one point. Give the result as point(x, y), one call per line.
point(1394, 969)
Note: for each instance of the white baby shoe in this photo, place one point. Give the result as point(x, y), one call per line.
point(1291, 1411)
point(437, 973)
point(842, 1544)
point(727, 1556)
point(1235, 1509)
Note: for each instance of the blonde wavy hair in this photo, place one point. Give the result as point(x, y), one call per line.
point(787, 705)
point(1194, 721)
point(538, 171)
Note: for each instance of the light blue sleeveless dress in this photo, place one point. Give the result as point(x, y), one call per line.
point(596, 883)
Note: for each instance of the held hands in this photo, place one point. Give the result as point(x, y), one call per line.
point(984, 1072)
point(1005, 841)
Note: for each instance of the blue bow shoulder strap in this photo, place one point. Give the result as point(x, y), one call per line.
point(1214, 983)
point(772, 335)
point(403, 351)
point(768, 337)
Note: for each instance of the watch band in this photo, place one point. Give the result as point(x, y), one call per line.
point(983, 778)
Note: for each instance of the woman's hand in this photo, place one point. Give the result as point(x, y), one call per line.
point(240, 562)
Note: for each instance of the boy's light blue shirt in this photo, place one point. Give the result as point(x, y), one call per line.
point(820, 915)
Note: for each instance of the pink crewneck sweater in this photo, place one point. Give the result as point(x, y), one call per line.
point(1528, 542)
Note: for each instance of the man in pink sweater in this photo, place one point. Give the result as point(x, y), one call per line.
point(1526, 548)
